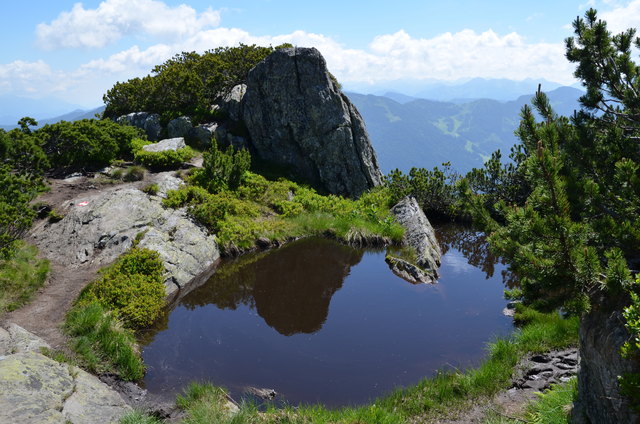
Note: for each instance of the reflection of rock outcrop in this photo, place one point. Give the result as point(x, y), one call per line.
point(290, 288)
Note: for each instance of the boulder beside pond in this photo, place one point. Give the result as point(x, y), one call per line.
point(37, 389)
point(419, 237)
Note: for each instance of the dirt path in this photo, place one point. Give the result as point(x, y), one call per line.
point(45, 314)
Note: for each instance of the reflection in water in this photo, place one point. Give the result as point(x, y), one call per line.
point(290, 290)
point(474, 247)
point(321, 322)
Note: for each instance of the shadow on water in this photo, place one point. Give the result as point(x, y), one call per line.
point(322, 322)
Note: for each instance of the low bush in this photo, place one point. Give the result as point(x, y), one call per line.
point(133, 173)
point(21, 276)
point(165, 160)
point(151, 189)
point(132, 288)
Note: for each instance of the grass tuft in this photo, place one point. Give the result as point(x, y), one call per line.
point(20, 277)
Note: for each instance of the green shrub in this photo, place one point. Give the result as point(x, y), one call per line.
point(55, 216)
point(86, 143)
point(151, 189)
point(185, 195)
point(133, 173)
point(165, 160)
point(221, 170)
point(132, 288)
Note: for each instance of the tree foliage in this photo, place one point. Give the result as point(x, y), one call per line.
point(572, 230)
point(222, 170)
point(187, 84)
point(88, 143)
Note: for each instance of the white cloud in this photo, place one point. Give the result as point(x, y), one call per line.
point(30, 78)
point(449, 56)
point(115, 19)
point(389, 57)
point(622, 17)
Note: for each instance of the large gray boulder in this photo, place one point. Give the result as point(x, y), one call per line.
point(165, 145)
point(36, 389)
point(179, 127)
point(100, 227)
point(149, 122)
point(297, 117)
point(230, 105)
point(419, 235)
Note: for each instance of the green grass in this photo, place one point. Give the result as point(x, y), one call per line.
point(101, 342)
point(445, 394)
point(552, 407)
point(281, 210)
point(20, 277)
point(137, 417)
point(129, 295)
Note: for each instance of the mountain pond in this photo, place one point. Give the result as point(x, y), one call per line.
point(321, 322)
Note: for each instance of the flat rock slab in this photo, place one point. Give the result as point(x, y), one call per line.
point(166, 145)
point(36, 389)
point(98, 228)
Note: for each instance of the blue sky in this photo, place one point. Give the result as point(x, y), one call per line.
point(75, 51)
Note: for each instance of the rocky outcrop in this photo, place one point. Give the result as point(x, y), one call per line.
point(408, 271)
point(201, 135)
point(602, 334)
point(166, 144)
point(36, 389)
point(179, 127)
point(298, 118)
point(100, 227)
point(149, 122)
point(230, 105)
point(419, 235)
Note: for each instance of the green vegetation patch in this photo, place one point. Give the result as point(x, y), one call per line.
point(165, 160)
point(21, 276)
point(241, 207)
point(129, 295)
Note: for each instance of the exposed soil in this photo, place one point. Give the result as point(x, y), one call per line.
point(44, 315)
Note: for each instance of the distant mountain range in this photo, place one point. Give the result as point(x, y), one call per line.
point(460, 91)
point(408, 131)
point(426, 133)
point(75, 115)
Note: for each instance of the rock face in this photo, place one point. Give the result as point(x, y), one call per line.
point(166, 144)
point(149, 122)
point(602, 333)
point(230, 105)
point(419, 235)
point(298, 118)
point(179, 127)
point(100, 227)
point(36, 389)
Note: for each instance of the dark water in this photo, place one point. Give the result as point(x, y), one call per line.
point(321, 322)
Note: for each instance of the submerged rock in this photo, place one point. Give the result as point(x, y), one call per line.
point(298, 118)
point(36, 389)
point(419, 235)
point(408, 271)
point(149, 122)
point(100, 227)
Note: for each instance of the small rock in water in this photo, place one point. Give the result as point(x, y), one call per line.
point(266, 394)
